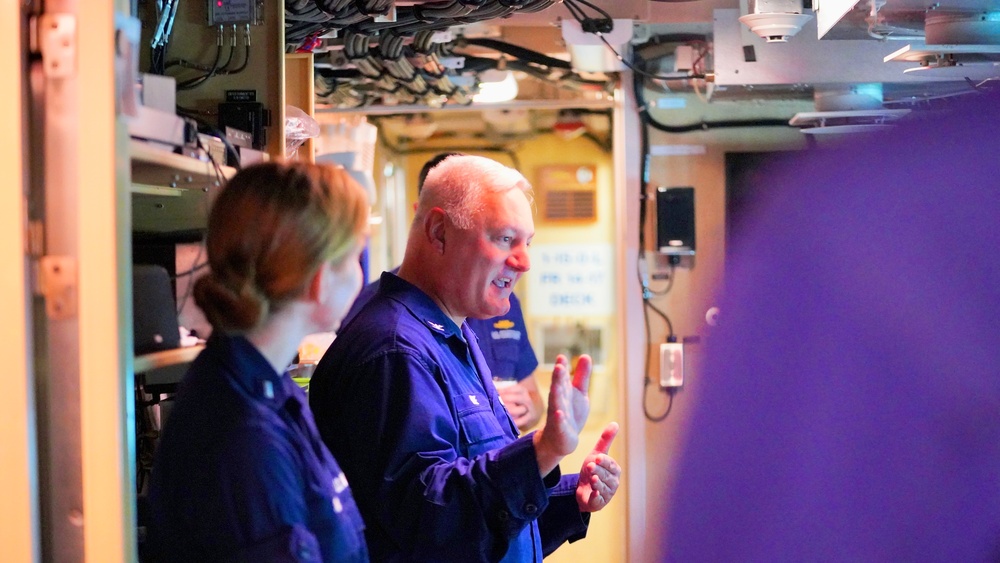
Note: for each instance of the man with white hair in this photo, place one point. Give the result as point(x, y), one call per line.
point(404, 400)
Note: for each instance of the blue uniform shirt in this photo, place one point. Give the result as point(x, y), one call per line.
point(404, 399)
point(240, 472)
point(503, 340)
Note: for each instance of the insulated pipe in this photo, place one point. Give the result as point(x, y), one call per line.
point(519, 52)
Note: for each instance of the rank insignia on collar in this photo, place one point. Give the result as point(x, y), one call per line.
point(435, 326)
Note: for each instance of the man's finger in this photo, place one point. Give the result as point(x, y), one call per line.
point(560, 380)
point(561, 360)
point(608, 436)
point(559, 372)
point(581, 373)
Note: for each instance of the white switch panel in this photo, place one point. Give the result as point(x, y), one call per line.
point(671, 364)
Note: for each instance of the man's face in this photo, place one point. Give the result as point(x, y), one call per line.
point(484, 262)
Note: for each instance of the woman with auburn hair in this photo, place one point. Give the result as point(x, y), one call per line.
point(240, 473)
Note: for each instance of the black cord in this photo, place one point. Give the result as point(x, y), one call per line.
point(601, 11)
point(194, 269)
point(515, 161)
point(218, 69)
point(658, 418)
point(198, 264)
point(605, 24)
point(670, 326)
point(517, 51)
point(648, 120)
point(647, 382)
point(206, 68)
point(211, 129)
point(644, 285)
point(198, 81)
point(670, 283)
point(642, 72)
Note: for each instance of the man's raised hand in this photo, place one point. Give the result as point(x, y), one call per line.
point(568, 409)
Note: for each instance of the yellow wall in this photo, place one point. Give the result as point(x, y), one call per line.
point(18, 478)
point(605, 540)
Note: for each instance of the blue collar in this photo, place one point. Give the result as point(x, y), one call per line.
point(249, 369)
point(419, 304)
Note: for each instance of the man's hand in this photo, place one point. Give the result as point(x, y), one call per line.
point(523, 402)
point(568, 409)
point(600, 474)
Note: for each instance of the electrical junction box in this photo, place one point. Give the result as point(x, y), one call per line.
point(675, 221)
point(684, 58)
point(225, 12)
point(671, 364)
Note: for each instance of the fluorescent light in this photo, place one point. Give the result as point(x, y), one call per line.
point(503, 90)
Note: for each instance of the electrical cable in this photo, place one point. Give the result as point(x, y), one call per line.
point(212, 130)
point(198, 264)
point(218, 69)
point(515, 161)
point(667, 288)
point(195, 82)
point(605, 24)
point(518, 51)
point(207, 68)
point(644, 284)
point(648, 119)
point(246, 54)
point(604, 14)
point(671, 391)
point(647, 380)
point(536, 6)
point(680, 76)
point(416, 64)
point(190, 271)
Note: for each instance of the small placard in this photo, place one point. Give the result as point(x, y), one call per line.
point(241, 95)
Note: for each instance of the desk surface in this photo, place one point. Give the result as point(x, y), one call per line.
point(155, 360)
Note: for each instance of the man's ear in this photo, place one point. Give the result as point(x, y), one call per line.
point(435, 225)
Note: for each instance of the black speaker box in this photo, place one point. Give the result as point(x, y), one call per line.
point(154, 313)
point(675, 221)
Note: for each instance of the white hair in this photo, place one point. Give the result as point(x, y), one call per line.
point(459, 183)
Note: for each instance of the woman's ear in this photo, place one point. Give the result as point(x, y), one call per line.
point(316, 290)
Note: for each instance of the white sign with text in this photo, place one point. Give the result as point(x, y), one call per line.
point(570, 279)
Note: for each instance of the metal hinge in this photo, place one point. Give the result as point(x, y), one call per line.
point(54, 37)
point(35, 239)
point(57, 283)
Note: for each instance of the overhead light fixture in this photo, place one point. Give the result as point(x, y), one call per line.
point(496, 86)
point(775, 20)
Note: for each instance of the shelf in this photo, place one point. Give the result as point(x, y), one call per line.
point(917, 52)
point(162, 371)
point(159, 167)
point(166, 211)
point(171, 193)
point(156, 360)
